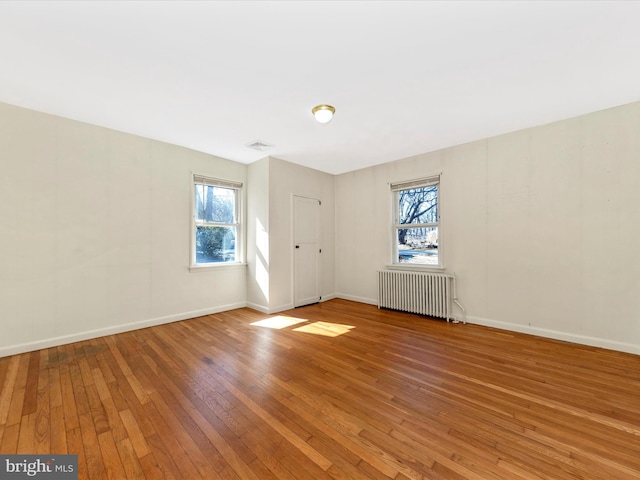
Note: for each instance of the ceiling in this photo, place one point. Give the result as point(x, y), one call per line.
point(405, 77)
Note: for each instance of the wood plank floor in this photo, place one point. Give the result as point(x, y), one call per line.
point(349, 392)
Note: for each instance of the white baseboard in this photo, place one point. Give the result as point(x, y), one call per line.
point(259, 308)
point(270, 311)
point(540, 332)
point(326, 298)
point(353, 298)
point(101, 332)
point(556, 335)
point(89, 334)
point(282, 308)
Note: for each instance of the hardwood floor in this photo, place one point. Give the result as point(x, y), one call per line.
point(349, 392)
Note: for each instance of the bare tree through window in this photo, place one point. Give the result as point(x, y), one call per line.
point(416, 224)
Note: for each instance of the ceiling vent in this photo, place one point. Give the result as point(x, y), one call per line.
point(260, 146)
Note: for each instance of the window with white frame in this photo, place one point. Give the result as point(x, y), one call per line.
point(216, 221)
point(416, 222)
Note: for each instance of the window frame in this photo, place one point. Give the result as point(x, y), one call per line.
point(396, 188)
point(237, 187)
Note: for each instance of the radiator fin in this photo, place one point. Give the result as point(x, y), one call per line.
point(416, 292)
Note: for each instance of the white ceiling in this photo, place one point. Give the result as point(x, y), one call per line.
point(405, 77)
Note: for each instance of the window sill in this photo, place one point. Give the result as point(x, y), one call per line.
point(416, 268)
point(216, 266)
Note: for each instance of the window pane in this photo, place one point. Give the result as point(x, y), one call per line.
point(199, 203)
point(418, 205)
point(215, 204)
point(215, 244)
point(418, 246)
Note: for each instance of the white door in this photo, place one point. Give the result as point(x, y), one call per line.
point(306, 242)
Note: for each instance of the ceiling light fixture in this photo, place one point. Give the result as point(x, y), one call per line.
point(323, 113)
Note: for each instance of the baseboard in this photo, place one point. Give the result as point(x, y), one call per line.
point(540, 332)
point(101, 332)
point(259, 308)
point(353, 298)
point(556, 335)
point(269, 311)
point(282, 308)
point(89, 334)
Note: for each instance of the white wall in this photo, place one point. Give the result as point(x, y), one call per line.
point(540, 226)
point(273, 184)
point(286, 180)
point(258, 280)
point(95, 232)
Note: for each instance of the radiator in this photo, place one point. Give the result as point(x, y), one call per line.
point(416, 292)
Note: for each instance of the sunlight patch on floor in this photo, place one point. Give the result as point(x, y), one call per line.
point(278, 322)
point(325, 328)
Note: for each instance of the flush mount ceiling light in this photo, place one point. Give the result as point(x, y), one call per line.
point(323, 113)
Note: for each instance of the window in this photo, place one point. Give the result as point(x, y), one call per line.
point(416, 221)
point(217, 235)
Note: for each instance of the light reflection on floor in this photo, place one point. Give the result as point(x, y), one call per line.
point(278, 322)
point(326, 329)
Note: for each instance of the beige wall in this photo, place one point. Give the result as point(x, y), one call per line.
point(540, 227)
point(96, 232)
point(285, 180)
point(258, 242)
